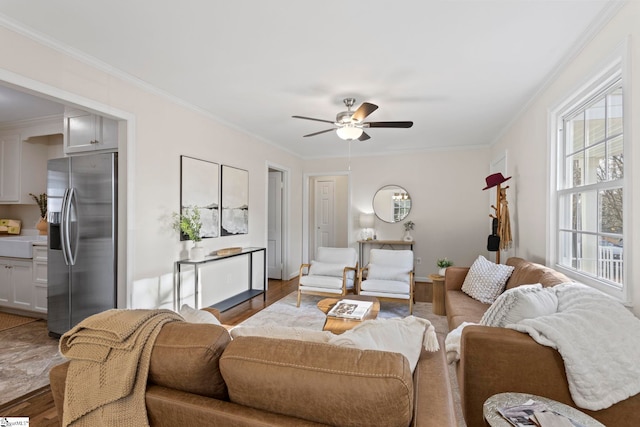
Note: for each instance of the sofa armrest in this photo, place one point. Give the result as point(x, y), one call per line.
point(497, 360)
point(454, 277)
point(433, 401)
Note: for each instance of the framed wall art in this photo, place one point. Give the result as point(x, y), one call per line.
point(235, 201)
point(200, 187)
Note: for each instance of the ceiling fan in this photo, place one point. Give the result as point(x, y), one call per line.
point(350, 125)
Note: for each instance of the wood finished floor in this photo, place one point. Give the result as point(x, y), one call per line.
point(39, 407)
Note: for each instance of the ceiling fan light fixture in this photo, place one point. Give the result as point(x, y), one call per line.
point(349, 132)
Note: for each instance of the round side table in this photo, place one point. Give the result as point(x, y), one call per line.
point(493, 417)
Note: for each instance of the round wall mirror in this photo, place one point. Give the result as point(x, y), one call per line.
point(392, 203)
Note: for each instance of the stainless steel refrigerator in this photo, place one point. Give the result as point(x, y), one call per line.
point(82, 256)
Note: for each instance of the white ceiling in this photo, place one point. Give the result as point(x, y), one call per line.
point(460, 70)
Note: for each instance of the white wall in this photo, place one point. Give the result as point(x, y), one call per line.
point(161, 131)
point(449, 208)
point(526, 143)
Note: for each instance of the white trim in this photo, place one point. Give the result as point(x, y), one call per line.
point(616, 65)
point(286, 213)
point(64, 97)
point(305, 208)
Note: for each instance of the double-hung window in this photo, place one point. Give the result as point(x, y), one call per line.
point(590, 183)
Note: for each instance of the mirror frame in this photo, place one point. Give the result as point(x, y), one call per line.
point(379, 205)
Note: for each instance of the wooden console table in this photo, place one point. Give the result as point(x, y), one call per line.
point(229, 302)
point(382, 244)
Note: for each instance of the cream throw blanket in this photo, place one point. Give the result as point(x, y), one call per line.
point(599, 341)
point(110, 354)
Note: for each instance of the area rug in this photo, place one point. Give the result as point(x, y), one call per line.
point(8, 321)
point(285, 313)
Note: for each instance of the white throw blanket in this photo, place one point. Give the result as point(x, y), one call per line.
point(599, 341)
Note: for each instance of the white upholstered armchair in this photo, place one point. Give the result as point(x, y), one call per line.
point(332, 273)
point(389, 275)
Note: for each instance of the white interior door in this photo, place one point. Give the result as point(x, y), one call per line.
point(274, 226)
point(325, 214)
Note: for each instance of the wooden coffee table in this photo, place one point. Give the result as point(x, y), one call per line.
point(338, 325)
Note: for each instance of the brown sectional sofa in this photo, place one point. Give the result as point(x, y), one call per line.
point(199, 377)
point(495, 360)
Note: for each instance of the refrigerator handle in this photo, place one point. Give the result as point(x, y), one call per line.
point(71, 249)
point(64, 226)
point(72, 246)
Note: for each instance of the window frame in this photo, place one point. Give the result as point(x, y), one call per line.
point(616, 68)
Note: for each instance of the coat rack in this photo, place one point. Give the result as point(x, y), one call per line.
point(501, 212)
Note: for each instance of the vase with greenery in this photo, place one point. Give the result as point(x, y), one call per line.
point(41, 201)
point(408, 226)
point(189, 223)
point(443, 264)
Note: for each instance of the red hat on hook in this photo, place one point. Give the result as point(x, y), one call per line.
point(495, 179)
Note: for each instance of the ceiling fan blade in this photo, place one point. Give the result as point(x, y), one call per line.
point(388, 124)
point(363, 111)
point(311, 118)
point(318, 133)
point(364, 137)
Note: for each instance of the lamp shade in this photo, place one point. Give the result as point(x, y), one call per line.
point(349, 132)
point(367, 220)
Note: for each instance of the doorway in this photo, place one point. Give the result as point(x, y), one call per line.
point(326, 217)
point(277, 185)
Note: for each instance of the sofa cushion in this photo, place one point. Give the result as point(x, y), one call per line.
point(319, 382)
point(326, 269)
point(385, 272)
point(486, 280)
point(185, 356)
point(526, 272)
point(521, 302)
point(462, 308)
point(193, 315)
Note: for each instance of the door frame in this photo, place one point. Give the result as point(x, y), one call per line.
point(306, 201)
point(286, 214)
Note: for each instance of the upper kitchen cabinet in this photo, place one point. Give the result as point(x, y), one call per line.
point(10, 168)
point(84, 131)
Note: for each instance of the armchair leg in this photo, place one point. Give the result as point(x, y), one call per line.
point(299, 295)
point(411, 305)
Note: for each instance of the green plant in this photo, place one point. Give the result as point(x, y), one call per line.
point(41, 201)
point(444, 263)
point(188, 223)
point(408, 225)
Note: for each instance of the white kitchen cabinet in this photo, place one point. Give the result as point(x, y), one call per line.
point(10, 168)
point(16, 278)
point(84, 132)
point(39, 279)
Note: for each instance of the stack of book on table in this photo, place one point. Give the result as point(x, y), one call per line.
point(535, 414)
point(350, 309)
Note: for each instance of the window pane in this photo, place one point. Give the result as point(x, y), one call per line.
point(573, 170)
point(610, 207)
point(615, 159)
point(595, 120)
point(575, 134)
point(595, 167)
point(587, 253)
point(610, 261)
point(567, 244)
point(614, 112)
point(586, 211)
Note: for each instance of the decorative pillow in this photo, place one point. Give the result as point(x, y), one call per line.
point(521, 302)
point(281, 332)
point(325, 269)
point(192, 315)
point(486, 280)
point(383, 272)
point(405, 336)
